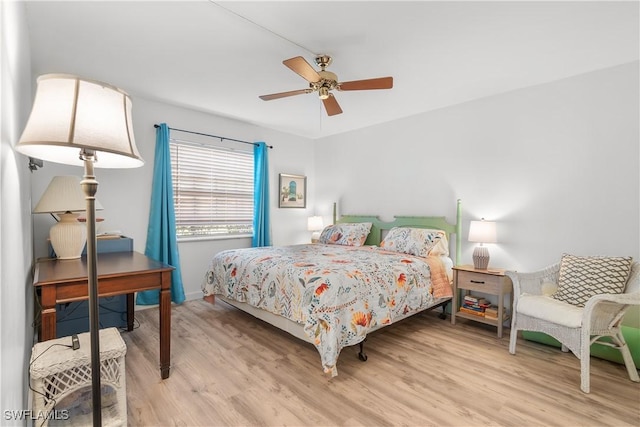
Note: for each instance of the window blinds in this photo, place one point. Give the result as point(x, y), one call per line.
point(213, 190)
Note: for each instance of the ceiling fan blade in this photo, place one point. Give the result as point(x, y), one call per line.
point(379, 83)
point(331, 105)
point(284, 94)
point(303, 68)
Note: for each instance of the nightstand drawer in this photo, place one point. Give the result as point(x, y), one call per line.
point(479, 282)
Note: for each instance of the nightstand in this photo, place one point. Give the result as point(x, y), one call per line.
point(489, 282)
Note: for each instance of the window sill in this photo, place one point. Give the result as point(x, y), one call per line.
point(204, 238)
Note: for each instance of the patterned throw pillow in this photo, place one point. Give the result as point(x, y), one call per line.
point(346, 234)
point(416, 241)
point(583, 277)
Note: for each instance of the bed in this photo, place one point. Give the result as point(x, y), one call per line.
point(363, 275)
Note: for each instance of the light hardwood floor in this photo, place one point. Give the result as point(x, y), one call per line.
point(229, 369)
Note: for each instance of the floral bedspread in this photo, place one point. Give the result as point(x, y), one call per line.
point(338, 293)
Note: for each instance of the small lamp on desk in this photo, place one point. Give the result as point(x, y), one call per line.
point(86, 123)
point(482, 232)
point(314, 224)
point(64, 197)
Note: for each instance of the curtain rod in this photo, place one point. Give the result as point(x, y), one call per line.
point(221, 138)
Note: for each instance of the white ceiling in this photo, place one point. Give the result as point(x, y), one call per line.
point(218, 57)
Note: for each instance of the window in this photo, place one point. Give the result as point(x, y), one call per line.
point(212, 190)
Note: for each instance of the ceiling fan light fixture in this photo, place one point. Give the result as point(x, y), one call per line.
point(324, 82)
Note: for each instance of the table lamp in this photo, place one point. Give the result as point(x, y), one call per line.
point(83, 122)
point(314, 224)
point(64, 197)
point(482, 232)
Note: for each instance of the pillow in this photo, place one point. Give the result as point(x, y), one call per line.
point(421, 242)
point(548, 288)
point(348, 234)
point(583, 277)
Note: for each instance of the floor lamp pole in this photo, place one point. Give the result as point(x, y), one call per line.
point(90, 187)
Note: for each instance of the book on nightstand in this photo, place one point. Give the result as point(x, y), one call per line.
point(474, 308)
point(491, 312)
point(478, 313)
point(475, 301)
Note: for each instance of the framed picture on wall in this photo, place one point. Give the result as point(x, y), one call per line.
point(293, 191)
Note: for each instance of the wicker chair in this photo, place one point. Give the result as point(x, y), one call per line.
point(575, 327)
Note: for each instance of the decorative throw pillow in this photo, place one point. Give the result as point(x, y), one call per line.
point(583, 277)
point(346, 234)
point(416, 241)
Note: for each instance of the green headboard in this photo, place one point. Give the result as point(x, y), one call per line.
point(437, 222)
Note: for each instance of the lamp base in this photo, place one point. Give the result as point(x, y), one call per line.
point(480, 258)
point(315, 236)
point(68, 236)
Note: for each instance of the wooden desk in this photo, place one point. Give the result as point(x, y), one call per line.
point(119, 273)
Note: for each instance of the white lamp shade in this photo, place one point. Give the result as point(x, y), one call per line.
point(70, 114)
point(314, 223)
point(482, 232)
point(64, 194)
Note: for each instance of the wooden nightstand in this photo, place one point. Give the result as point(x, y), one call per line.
point(491, 282)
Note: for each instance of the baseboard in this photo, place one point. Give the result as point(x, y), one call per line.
point(191, 296)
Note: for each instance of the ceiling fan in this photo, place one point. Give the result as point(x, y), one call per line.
point(324, 81)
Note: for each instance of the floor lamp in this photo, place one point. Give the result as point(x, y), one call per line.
point(84, 123)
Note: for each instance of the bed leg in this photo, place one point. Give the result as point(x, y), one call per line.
point(361, 354)
point(443, 315)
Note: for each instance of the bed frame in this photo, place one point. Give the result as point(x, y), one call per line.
point(378, 231)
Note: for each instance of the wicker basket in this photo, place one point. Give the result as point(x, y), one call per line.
point(61, 380)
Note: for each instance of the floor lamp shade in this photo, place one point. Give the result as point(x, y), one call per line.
point(482, 232)
point(64, 197)
point(70, 114)
point(85, 123)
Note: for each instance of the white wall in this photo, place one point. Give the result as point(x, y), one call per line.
point(125, 193)
point(16, 299)
point(555, 165)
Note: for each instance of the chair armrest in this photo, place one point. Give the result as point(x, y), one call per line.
point(604, 311)
point(623, 299)
point(531, 283)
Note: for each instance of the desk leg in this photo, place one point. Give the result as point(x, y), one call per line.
point(48, 313)
point(165, 325)
point(130, 312)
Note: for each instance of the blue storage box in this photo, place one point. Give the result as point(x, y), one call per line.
point(73, 317)
point(105, 245)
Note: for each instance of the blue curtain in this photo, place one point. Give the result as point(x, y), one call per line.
point(162, 243)
point(261, 225)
